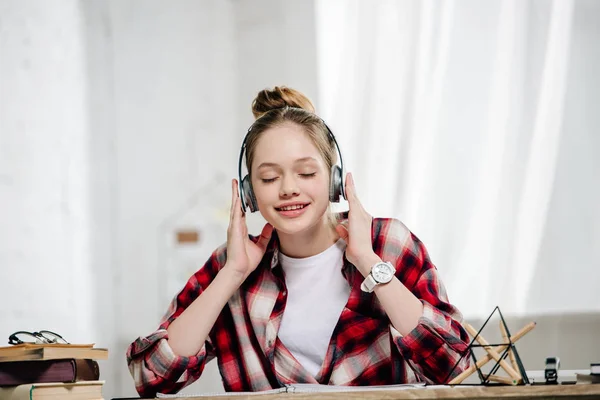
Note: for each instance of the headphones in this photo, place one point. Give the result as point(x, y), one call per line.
point(336, 186)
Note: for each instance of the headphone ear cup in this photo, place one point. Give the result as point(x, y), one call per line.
point(248, 199)
point(335, 188)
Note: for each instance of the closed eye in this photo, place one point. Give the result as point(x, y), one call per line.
point(268, 180)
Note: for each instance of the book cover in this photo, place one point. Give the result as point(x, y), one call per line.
point(84, 390)
point(29, 351)
point(43, 371)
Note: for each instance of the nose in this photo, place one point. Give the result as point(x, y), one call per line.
point(289, 187)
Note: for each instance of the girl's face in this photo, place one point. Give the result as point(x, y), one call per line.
point(290, 179)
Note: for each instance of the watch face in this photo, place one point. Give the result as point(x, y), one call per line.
point(383, 272)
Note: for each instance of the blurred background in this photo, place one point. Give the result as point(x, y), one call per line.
point(474, 122)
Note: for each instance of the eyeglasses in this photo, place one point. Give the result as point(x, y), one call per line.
point(41, 337)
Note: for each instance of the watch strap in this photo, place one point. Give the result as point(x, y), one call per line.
point(368, 284)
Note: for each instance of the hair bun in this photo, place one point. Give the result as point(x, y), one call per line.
point(279, 97)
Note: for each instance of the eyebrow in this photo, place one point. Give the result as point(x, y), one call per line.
point(300, 160)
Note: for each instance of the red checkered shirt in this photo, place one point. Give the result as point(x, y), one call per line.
point(365, 349)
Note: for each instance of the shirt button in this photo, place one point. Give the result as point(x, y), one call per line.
point(285, 292)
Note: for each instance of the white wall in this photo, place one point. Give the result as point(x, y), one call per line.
point(113, 114)
point(174, 81)
point(570, 250)
point(56, 171)
point(47, 176)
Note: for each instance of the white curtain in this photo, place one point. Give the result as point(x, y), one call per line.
point(464, 120)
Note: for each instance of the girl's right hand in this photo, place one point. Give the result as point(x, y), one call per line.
point(243, 255)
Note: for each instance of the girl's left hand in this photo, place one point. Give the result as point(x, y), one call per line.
point(357, 231)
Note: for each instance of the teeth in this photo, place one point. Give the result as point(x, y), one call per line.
point(290, 208)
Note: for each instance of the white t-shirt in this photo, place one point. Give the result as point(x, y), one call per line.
point(317, 294)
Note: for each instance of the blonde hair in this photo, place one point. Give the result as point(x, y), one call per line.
point(281, 105)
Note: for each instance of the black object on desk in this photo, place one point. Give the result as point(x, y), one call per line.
point(551, 370)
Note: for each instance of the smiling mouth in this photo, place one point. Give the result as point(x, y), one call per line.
point(292, 208)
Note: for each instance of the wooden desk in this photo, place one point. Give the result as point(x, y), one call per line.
point(537, 392)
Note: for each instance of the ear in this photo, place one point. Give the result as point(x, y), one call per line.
point(342, 231)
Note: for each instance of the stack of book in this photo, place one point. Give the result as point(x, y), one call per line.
point(51, 372)
point(592, 377)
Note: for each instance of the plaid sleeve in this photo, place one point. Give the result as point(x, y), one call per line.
point(154, 366)
point(438, 342)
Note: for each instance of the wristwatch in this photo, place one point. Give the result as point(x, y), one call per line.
point(381, 273)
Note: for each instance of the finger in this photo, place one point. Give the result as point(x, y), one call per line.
point(353, 200)
point(265, 236)
point(350, 189)
point(347, 188)
point(233, 202)
point(237, 208)
point(237, 191)
point(242, 212)
point(237, 227)
point(233, 185)
point(239, 218)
